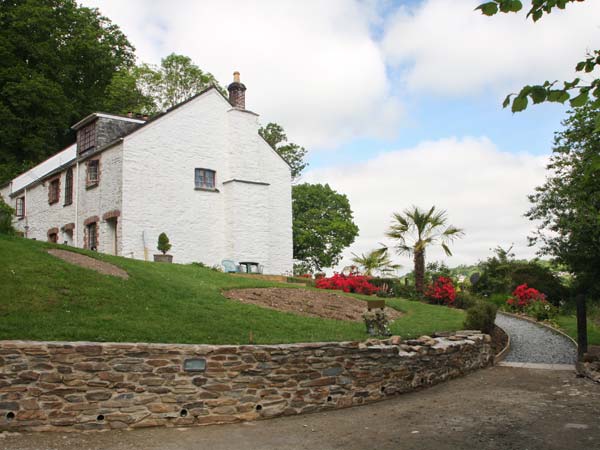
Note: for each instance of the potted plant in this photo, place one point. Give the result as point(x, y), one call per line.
point(164, 246)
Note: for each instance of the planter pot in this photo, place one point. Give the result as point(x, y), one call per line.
point(163, 258)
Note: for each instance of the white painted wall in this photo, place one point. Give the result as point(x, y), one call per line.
point(149, 178)
point(40, 216)
point(241, 221)
point(104, 197)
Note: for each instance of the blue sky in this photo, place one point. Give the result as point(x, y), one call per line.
point(432, 118)
point(398, 102)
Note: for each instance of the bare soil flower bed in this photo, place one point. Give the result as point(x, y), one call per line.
point(324, 304)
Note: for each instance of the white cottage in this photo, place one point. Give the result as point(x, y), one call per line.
point(200, 172)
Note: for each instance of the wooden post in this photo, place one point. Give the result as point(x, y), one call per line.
point(581, 327)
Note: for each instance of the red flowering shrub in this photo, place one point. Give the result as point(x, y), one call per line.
point(441, 292)
point(523, 297)
point(359, 284)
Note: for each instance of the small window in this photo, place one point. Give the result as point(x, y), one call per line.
point(54, 191)
point(93, 172)
point(53, 237)
point(20, 207)
point(69, 187)
point(204, 179)
point(92, 235)
point(87, 138)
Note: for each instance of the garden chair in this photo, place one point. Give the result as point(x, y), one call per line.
point(229, 266)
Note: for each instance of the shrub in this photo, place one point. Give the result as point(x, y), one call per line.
point(502, 273)
point(163, 243)
point(465, 300)
point(386, 286)
point(301, 268)
point(523, 297)
point(358, 284)
point(497, 299)
point(541, 310)
point(441, 292)
point(481, 317)
point(405, 291)
point(6, 215)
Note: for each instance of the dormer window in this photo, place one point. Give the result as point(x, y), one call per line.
point(204, 179)
point(86, 138)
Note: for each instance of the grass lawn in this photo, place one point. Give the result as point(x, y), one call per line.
point(45, 298)
point(569, 325)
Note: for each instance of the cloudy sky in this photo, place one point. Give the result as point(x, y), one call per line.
point(398, 102)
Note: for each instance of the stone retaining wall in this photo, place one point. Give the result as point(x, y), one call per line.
point(94, 386)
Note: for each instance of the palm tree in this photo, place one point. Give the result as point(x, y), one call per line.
point(375, 260)
point(416, 229)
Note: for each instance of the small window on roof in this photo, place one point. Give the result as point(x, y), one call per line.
point(87, 138)
point(204, 178)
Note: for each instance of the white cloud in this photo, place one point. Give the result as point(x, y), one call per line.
point(446, 47)
point(311, 66)
point(483, 190)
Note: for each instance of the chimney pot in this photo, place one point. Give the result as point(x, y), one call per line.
point(237, 92)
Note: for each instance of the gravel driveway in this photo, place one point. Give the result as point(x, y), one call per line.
point(531, 343)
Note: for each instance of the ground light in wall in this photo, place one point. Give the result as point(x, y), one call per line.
point(163, 246)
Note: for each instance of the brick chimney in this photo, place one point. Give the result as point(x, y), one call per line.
point(237, 92)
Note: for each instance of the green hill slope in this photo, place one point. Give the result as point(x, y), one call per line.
point(45, 298)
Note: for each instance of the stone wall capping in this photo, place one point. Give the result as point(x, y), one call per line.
point(81, 386)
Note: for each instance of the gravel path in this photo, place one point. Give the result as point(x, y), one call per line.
point(531, 343)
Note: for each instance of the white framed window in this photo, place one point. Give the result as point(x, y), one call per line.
point(204, 179)
point(92, 236)
point(54, 191)
point(69, 187)
point(20, 207)
point(93, 172)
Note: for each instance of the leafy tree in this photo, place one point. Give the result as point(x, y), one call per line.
point(566, 206)
point(124, 94)
point(323, 225)
point(377, 260)
point(174, 81)
point(415, 230)
point(57, 60)
point(578, 92)
point(292, 153)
